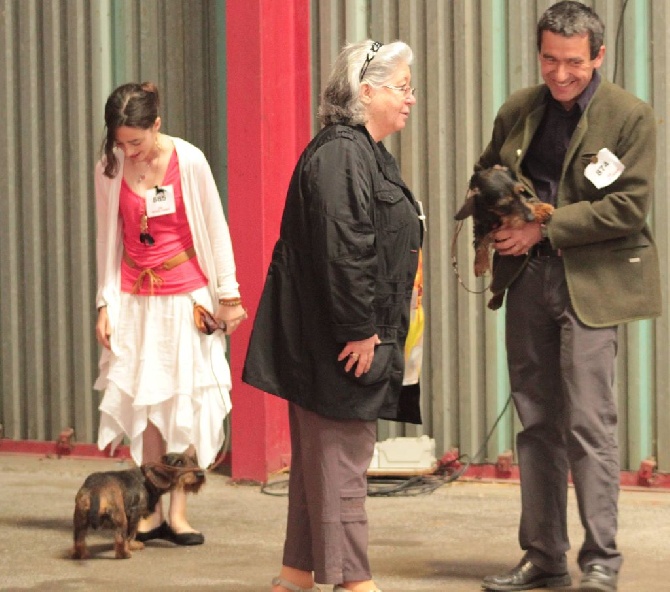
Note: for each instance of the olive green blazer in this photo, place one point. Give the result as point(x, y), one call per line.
point(611, 260)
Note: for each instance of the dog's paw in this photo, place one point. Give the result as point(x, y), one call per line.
point(135, 545)
point(481, 269)
point(543, 212)
point(80, 553)
point(122, 550)
point(496, 301)
point(482, 263)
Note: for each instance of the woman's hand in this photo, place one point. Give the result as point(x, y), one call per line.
point(232, 316)
point(359, 353)
point(102, 329)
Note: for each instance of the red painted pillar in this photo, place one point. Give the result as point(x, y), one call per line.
point(269, 123)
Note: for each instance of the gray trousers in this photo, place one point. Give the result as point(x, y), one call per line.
point(327, 527)
point(562, 379)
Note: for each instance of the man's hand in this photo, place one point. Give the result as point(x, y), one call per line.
point(517, 241)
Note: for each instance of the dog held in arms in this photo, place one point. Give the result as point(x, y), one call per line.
point(118, 499)
point(495, 199)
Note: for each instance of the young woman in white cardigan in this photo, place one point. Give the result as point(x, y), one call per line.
point(162, 245)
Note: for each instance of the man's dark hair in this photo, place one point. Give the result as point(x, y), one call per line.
point(569, 18)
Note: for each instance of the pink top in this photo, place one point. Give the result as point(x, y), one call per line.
point(172, 235)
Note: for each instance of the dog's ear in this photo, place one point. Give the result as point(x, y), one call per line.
point(158, 475)
point(468, 208)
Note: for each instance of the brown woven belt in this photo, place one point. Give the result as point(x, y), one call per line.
point(150, 272)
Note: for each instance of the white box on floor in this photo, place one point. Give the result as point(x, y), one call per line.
point(403, 456)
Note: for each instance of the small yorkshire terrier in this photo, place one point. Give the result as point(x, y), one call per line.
point(495, 199)
point(118, 499)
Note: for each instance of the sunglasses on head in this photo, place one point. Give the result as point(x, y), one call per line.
point(371, 56)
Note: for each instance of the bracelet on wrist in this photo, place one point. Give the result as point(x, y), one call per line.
point(230, 301)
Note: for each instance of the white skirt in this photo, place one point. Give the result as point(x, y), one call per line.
point(166, 372)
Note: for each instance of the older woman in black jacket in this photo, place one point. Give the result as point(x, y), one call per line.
point(330, 329)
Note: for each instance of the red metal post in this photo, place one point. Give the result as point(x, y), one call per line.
point(269, 123)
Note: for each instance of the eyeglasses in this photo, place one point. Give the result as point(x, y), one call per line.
point(145, 236)
point(405, 90)
point(371, 56)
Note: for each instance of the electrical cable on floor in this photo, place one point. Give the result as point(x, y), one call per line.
point(446, 472)
point(278, 488)
point(450, 471)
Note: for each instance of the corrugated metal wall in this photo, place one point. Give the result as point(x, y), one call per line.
point(469, 56)
point(59, 60)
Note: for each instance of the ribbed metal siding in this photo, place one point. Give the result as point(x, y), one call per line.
point(660, 98)
point(46, 222)
point(60, 58)
point(469, 56)
point(58, 62)
point(175, 44)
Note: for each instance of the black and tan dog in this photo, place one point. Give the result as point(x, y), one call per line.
point(496, 199)
point(118, 499)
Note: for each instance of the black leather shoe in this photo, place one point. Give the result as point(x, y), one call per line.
point(185, 538)
point(526, 576)
point(599, 578)
point(160, 532)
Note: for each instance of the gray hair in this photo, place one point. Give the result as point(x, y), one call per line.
point(367, 61)
point(568, 18)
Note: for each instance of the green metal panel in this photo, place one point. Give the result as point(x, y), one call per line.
point(60, 60)
point(220, 167)
point(495, 90)
point(469, 56)
point(640, 358)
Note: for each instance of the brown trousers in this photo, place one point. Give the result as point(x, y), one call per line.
point(327, 527)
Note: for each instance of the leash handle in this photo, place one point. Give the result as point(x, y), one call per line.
point(454, 262)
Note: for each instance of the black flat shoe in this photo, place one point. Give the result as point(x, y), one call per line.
point(185, 538)
point(160, 532)
point(526, 576)
point(599, 578)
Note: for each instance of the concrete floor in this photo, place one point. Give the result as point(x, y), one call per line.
point(446, 541)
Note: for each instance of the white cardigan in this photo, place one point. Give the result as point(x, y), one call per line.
point(206, 220)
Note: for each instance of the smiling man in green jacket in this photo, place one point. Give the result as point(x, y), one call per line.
point(587, 147)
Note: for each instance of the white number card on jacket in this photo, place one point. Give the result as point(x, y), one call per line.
point(160, 201)
point(605, 168)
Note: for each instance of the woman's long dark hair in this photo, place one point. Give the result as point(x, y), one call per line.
point(131, 105)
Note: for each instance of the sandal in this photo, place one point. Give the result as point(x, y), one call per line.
point(292, 587)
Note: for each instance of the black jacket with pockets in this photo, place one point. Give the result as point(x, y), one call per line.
point(342, 270)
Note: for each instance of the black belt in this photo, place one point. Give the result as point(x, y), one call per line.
point(544, 249)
